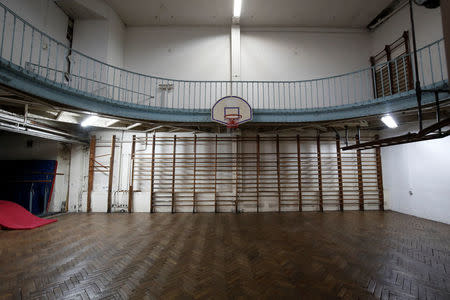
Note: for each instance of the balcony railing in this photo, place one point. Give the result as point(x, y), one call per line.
point(39, 55)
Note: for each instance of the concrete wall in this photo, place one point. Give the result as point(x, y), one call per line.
point(299, 54)
point(41, 150)
point(190, 53)
point(428, 23)
point(101, 37)
point(43, 14)
point(416, 177)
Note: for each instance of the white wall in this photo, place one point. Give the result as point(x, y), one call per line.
point(190, 53)
point(101, 38)
point(41, 150)
point(423, 169)
point(299, 54)
point(428, 24)
point(43, 14)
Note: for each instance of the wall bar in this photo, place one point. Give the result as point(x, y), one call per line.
point(379, 177)
point(91, 172)
point(360, 178)
point(278, 172)
point(339, 169)
point(173, 172)
point(299, 175)
point(319, 173)
point(152, 174)
point(111, 172)
point(130, 189)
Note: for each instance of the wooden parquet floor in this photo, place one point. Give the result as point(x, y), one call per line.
point(351, 255)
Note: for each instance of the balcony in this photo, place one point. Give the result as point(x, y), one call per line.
point(35, 63)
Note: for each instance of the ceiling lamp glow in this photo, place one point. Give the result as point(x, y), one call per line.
point(389, 121)
point(89, 121)
point(237, 8)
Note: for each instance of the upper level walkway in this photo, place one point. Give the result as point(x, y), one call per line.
point(35, 63)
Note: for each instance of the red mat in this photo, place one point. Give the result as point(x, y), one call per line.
point(14, 216)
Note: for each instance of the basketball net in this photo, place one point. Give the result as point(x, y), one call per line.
point(233, 120)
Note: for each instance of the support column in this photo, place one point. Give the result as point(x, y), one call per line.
point(235, 52)
point(91, 172)
point(445, 12)
point(111, 172)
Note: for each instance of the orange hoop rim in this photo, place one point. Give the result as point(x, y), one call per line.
point(232, 117)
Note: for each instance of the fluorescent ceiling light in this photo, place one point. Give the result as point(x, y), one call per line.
point(237, 8)
point(89, 121)
point(389, 121)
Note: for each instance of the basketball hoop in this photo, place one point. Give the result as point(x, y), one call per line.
point(232, 120)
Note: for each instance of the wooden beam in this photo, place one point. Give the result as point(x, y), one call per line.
point(152, 174)
point(131, 187)
point(379, 177)
point(215, 177)
point(257, 171)
point(299, 175)
point(339, 169)
point(236, 200)
point(360, 178)
point(195, 167)
point(173, 172)
point(319, 173)
point(91, 172)
point(278, 172)
point(111, 172)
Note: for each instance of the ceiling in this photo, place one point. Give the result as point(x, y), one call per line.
point(311, 13)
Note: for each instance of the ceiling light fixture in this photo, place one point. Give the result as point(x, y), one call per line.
point(89, 121)
point(389, 121)
point(237, 8)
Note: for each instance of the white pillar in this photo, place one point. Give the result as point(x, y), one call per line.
point(235, 52)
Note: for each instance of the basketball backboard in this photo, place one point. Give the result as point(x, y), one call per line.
point(231, 111)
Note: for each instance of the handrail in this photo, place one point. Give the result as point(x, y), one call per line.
point(43, 57)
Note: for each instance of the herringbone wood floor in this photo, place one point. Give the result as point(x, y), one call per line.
point(289, 255)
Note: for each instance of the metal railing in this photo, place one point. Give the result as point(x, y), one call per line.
point(39, 55)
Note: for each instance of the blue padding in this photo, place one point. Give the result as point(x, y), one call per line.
point(28, 183)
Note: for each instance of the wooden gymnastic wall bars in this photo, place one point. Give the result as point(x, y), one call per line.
point(299, 174)
point(379, 177)
point(294, 175)
point(319, 172)
point(152, 174)
point(91, 172)
point(172, 206)
point(339, 169)
point(111, 172)
point(360, 175)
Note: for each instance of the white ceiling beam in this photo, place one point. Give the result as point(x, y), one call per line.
point(134, 126)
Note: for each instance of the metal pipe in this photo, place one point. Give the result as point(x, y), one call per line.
point(416, 66)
